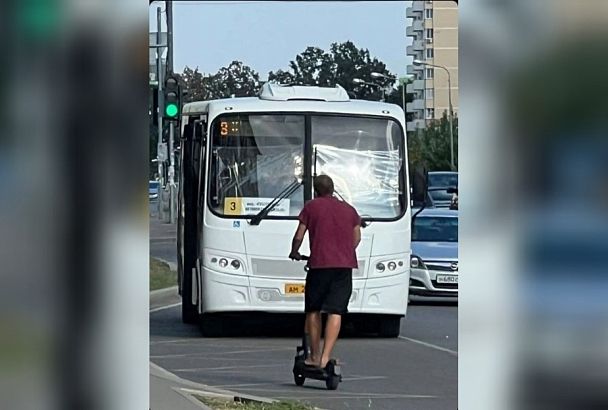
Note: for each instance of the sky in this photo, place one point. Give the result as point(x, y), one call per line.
point(267, 35)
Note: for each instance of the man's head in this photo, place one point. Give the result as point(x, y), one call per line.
point(323, 185)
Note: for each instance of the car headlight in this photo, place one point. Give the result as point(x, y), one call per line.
point(416, 262)
point(380, 267)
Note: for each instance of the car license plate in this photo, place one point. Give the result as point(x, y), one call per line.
point(447, 279)
point(294, 288)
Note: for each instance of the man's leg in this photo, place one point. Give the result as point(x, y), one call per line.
point(313, 328)
point(332, 330)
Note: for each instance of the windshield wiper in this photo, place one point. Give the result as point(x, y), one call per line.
point(290, 189)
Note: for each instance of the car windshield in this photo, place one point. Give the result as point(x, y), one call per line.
point(254, 157)
point(435, 229)
point(443, 179)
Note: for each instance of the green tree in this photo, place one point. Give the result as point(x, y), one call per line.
point(430, 147)
point(237, 79)
point(340, 65)
point(193, 82)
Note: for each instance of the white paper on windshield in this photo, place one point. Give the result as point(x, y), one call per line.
point(251, 206)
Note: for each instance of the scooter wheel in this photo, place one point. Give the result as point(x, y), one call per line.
point(298, 379)
point(332, 382)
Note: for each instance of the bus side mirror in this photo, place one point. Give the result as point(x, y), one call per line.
point(419, 185)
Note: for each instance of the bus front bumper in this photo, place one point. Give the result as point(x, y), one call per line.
point(241, 293)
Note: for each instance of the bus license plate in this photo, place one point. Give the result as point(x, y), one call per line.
point(447, 279)
point(294, 288)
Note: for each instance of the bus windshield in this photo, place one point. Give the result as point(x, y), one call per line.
point(256, 156)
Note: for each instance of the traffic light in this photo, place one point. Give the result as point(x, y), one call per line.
point(172, 98)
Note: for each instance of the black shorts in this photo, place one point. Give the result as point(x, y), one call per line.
point(328, 290)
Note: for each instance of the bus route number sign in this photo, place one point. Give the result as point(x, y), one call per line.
point(233, 206)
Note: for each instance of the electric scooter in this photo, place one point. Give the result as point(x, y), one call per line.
point(331, 374)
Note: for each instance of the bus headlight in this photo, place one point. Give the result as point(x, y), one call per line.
point(225, 264)
point(390, 266)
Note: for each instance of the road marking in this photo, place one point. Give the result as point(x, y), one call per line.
point(432, 346)
point(358, 378)
point(229, 367)
point(218, 353)
point(158, 309)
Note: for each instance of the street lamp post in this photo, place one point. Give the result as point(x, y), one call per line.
point(360, 81)
point(451, 111)
point(380, 75)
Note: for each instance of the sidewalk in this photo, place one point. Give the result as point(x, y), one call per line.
point(168, 391)
point(167, 394)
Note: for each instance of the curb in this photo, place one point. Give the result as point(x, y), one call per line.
point(163, 292)
point(204, 390)
point(172, 265)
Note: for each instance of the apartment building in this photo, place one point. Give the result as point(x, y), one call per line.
point(433, 27)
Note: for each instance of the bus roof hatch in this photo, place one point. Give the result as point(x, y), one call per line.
point(278, 92)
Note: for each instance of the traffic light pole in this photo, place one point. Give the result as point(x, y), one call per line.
point(172, 186)
point(159, 78)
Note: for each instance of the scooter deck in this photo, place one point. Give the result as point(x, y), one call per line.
point(317, 373)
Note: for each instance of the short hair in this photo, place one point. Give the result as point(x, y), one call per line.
point(323, 185)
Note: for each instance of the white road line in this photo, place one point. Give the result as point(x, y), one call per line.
point(218, 353)
point(358, 378)
point(229, 367)
point(432, 346)
point(158, 309)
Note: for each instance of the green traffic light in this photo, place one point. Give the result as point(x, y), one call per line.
point(171, 110)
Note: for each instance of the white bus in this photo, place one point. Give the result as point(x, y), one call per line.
point(246, 172)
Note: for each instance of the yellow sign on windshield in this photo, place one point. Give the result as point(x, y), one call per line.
point(233, 206)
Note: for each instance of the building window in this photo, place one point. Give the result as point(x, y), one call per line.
point(429, 13)
point(430, 53)
point(429, 73)
point(430, 113)
point(429, 33)
point(429, 93)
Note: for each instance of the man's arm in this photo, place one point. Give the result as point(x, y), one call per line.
point(357, 235)
point(297, 242)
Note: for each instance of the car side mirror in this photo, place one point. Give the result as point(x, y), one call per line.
point(452, 190)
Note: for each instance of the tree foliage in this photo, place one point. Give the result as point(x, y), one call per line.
point(431, 146)
point(340, 65)
point(237, 79)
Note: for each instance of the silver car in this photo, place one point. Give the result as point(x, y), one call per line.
point(434, 261)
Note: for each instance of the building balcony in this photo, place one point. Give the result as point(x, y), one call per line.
point(417, 6)
point(414, 69)
point(414, 86)
point(416, 26)
point(416, 105)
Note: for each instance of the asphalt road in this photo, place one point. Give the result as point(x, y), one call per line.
point(418, 370)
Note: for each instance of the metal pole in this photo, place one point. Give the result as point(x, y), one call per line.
point(403, 84)
point(160, 100)
point(171, 172)
point(169, 8)
point(451, 117)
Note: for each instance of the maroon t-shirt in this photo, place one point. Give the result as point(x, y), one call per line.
point(331, 225)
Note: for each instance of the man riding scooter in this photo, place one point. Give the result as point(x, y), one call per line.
point(334, 230)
